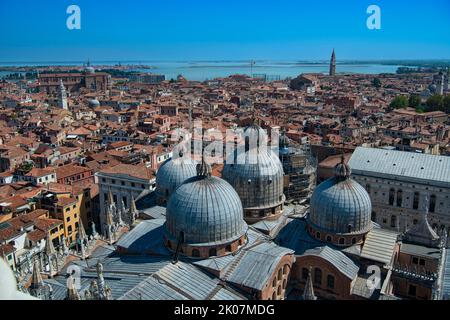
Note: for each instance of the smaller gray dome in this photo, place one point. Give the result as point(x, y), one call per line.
point(172, 173)
point(341, 205)
point(94, 103)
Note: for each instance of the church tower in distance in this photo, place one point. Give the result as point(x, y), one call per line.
point(333, 64)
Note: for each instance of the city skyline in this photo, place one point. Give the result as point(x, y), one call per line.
point(230, 30)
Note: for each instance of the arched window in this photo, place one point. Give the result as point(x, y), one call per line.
point(279, 290)
point(228, 248)
point(416, 201)
point(374, 216)
point(318, 235)
point(195, 253)
point(274, 296)
point(280, 274)
point(391, 197)
point(349, 228)
point(317, 276)
point(330, 281)
point(341, 241)
point(432, 203)
point(353, 240)
point(328, 238)
point(284, 284)
point(169, 244)
point(274, 282)
point(212, 252)
point(399, 198)
point(393, 221)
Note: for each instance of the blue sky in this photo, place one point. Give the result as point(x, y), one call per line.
point(222, 30)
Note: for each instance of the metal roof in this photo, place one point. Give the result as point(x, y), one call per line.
point(343, 263)
point(420, 251)
point(379, 245)
point(446, 278)
point(415, 167)
point(257, 265)
point(146, 237)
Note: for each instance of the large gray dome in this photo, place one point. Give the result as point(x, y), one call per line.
point(207, 210)
point(340, 205)
point(172, 174)
point(257, 174)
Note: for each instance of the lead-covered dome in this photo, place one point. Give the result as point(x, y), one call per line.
point(256, 173)
point(205, 216)
point(172, 173)
point(340, 209)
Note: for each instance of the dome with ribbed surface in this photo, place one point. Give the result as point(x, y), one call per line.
point(258, 180)
point(340, 205)
point(172, 174)
point(257, 174)
point(206, 210)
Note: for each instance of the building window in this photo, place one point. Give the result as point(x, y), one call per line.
point(228, 248)
point(341, 241)
point(318, 235)
point(353, 240)
point(415, 260)
point(195, 253)
point(374, 216)
point(212, 252)
point(393, 221)
point(317, 276)
point(432, 203)
point(330, 281)
point(391, 197)
point(422, 262)
point(328, 239)
point(416, 201)
point(399, 198)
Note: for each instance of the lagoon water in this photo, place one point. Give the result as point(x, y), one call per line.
point(203, 70)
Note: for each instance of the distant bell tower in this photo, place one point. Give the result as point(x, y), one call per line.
point(333, 64)
point(62, 96)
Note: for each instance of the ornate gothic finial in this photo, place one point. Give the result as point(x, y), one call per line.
point(104, 292)
point(72, 292)
point(81, 231)
point(110, 197)
point(49, 248)
point(308, 293)
point(37, 284)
